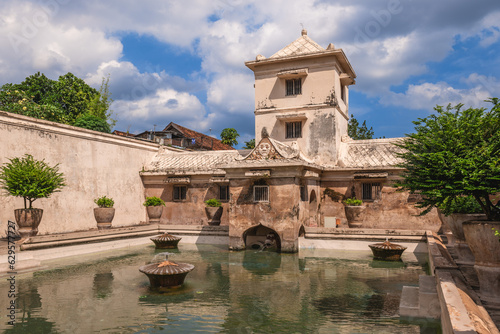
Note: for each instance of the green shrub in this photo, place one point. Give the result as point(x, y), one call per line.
point(104, 202)
point(353, 202)
point(153, 201)
point(461, 204)
point(213, 202)
point(92, 122)
point(31, 179)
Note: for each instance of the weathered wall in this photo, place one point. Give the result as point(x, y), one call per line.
point(393, 210)
point(192, 210)
point(280, 214)
point(94, 164)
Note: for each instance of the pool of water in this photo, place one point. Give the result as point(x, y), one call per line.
point(230, 292)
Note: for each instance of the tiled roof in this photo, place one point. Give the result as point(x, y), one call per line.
point(207, 142)
point(370, 153)
point(208, 161)
point(123, 134)
point(301, 45)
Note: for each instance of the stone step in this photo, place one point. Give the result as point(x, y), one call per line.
point(427, 298)
point(409, 304)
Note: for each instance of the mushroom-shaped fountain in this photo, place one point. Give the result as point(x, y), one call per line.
point(387, 251)
point(166, 241)
point(166, 274)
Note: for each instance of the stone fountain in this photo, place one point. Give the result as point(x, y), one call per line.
point(166, 274)
point(387, 251)
point(166, 241)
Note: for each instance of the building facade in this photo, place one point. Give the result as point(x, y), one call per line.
point(302, 167)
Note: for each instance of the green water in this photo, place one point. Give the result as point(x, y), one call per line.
point(227, 292)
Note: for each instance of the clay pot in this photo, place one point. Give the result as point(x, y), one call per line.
point(455, 223)
point(485, 246)
point(28, 221)
point(213, 215)
point(104, 217)
point(354, 215)
point(154, 213)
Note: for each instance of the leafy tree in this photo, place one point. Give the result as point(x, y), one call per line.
point(63, 101)
point(92, 122)
point(31, 179)
point(250, 144)
point(73, 95)
point(355, 131)
point(228, 136)
point(454, 153)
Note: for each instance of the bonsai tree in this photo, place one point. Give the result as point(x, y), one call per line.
point(104, 202)
point(154, 201)
point(213, 203)
point(454, 153)
point(30, 179)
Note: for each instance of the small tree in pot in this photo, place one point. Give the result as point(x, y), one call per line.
point(214, 211)
point(154, 207)
point(30, 179)
point(353, 211)
point(104, 213)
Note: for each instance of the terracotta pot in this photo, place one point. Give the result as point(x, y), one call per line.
point(354, 215)
point(28, 221)
point(154, 213)
point(213, 215)
point(455, 223)
point(104, 217)
point(486, 249)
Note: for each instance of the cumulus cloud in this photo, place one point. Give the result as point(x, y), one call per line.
point(164, 106)
point(388, 42)
point(427, 95)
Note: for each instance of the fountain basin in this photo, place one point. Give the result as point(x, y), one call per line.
point(166, 274)
point(166, 241)
point(387, 251)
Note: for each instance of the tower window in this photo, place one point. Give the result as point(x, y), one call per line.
point(293, 129)
point(293, 87)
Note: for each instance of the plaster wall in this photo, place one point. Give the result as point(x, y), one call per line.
point(94, 164)
point(320, 107)
point(321, 81)
point(392, 210)
point(280, 214)
point(192, 210)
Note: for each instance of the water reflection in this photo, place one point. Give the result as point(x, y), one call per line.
point(229, 292)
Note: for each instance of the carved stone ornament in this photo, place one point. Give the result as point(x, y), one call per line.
point(264, 151)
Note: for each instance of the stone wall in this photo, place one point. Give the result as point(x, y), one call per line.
point(393, 210)
point(94, 164)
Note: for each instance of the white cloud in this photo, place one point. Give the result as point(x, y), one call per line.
point(427, 95)
point(232, 92)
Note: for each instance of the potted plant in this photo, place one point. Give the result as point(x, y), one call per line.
point(353, 212)
point(154, 207)
point(30, 179)
point(105, 212)
point(454, 212)
point(454, 153)
point(213, 210)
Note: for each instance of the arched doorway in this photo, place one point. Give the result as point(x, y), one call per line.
point(262, 238)
point(313, 209)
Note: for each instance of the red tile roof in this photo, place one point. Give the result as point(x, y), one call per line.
point(206, 142)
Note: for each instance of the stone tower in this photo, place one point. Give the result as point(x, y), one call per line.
point(302, 98)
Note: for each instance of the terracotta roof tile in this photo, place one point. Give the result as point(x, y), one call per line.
point(205, 141)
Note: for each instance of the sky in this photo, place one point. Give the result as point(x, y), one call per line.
point(183, 61)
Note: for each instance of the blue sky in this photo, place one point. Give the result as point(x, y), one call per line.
point(183, 61)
